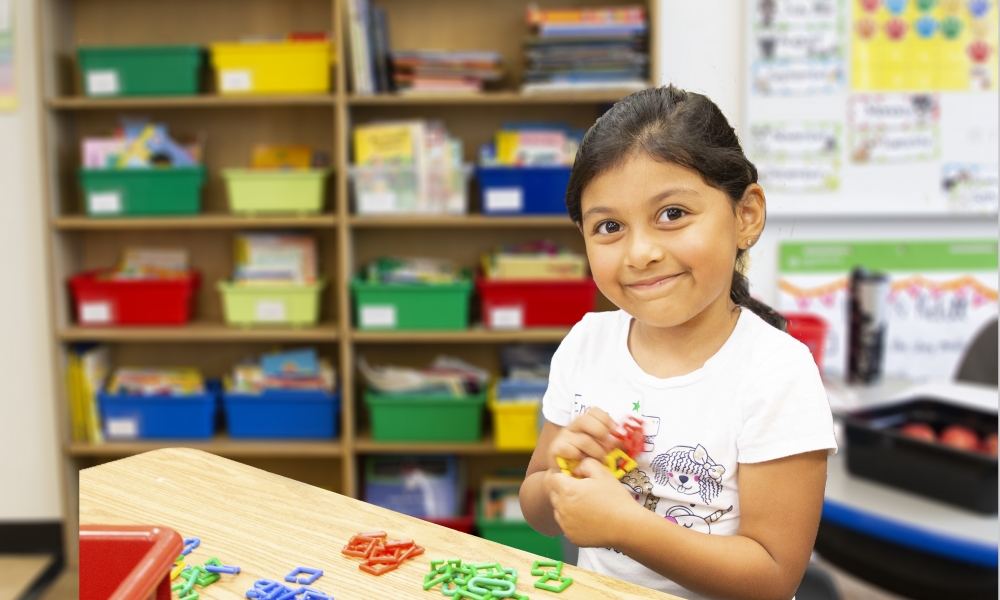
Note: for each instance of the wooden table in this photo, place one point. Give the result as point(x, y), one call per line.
point(268, 525)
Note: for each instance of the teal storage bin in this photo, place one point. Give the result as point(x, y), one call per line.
point(411, 306)
point(110, 71)
point(142, 192)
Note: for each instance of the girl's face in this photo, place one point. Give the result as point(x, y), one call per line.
point(662, 244)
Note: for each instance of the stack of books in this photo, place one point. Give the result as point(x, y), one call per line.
point(291, 370)
point(439, 71)
point(270, 259)
point(586, 49)
point(368, 35)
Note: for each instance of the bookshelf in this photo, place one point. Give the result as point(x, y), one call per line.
point(345, 242)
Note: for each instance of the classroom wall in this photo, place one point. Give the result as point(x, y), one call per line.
point(701, 50)
point(29, 474)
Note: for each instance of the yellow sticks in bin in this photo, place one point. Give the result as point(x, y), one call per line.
point(615, 461)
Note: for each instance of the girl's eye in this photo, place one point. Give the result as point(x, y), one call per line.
point(609, 227)
point(671, 214)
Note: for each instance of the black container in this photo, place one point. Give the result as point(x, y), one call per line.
point(877, 450)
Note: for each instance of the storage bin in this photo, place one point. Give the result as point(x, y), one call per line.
point(810, 330)
point(275, 191)
point(520, 535)
point(140, 70)
point(102, 302)
point(515, 424)
point(127, 417)
point(523, 190)
point(518, 304)
point(877, 450)
point(128, 562)
point(141, 192)
point(388, 483)
point(464, 523)
point(296, 67)
point(285, 414)
point(393, 189)
point(411, 306)
point(271, 304)
point(425, 417)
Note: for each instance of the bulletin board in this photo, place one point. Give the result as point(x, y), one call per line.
point(873, 107)
point(941, 294)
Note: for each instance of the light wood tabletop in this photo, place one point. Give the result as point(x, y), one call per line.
point(268, 525)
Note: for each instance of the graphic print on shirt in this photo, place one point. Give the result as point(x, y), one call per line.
point(650, 429)
point(689, 471)
point(640, 485)
point(685, 517)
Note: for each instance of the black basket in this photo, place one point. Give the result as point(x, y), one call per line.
point(877, 450)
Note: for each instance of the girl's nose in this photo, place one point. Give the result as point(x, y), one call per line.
point(644, 250)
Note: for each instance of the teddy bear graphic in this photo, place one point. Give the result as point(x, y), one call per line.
point(639, 484)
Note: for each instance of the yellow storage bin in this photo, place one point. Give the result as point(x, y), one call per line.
point(275, 191)
point(272, 67)
point(247, 305)
point(515, 423)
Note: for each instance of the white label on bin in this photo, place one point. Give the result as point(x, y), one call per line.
point(95, 312)
point(103, 203)
point(236, 80)
point(378, 315)
point(512, 509)
point(507, 317)
point(504, 199)
point(122, 427)
point(270, 310)
point(374, 203)
point(102, 83)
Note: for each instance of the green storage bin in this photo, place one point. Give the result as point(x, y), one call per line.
point(139, 192)
point(247, 305)
point(425, 417)
point(411, 306)
point(140, 70)
point(275, 191)
point(520, 535)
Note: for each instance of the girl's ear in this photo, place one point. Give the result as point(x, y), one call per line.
point(751, 212)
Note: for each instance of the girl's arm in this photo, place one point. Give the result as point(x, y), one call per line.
point(588, 435)
point(780, 506)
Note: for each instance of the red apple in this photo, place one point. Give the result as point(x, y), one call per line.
point(979, 51)
point(961, 437)
point(921, 431)
point(866, 29)
point(990, 444)
point(870, 5)
point(895, 29)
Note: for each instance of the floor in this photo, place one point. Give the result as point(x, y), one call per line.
point(67, 586)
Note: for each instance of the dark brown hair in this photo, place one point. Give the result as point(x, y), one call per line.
point(683, 128)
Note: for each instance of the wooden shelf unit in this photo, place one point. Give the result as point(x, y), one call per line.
point(346, 242)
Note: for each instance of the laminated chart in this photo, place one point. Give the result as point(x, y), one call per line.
point(941, 294)
point(797, 156)
point(894, 128)
point(927, 45)
point(8, 95)
point(797, 47)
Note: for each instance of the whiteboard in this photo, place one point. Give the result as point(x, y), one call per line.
point(843, 118)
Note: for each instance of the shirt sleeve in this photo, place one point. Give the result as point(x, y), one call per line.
point(785, 408)
point(557, 403)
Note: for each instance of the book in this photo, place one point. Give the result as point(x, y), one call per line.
point(297, 363)
point(268, 259)
point(381, 52)
point(387, 143)
point(132, 381)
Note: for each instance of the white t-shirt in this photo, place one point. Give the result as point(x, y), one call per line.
point(758, 398)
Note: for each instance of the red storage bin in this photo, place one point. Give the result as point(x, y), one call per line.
point(463, 523)
point(102, 302)
point(508, 304)
point(810, 330)
point(127, 562)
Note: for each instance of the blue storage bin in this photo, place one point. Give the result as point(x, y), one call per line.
point(286, 414)
point(512, 389)
point(126, 417)
point(523, 190)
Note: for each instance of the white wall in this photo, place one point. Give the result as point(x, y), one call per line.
point(701, 50)
point(29, 474)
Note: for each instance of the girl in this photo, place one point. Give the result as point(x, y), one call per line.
point(726, 498)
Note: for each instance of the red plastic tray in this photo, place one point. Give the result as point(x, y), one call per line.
point(516, 304)
point(140, 302)
point(810, 330)
point(127, 562)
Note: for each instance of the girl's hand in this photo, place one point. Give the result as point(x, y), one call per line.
point(588, 435)
point(593, 511)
